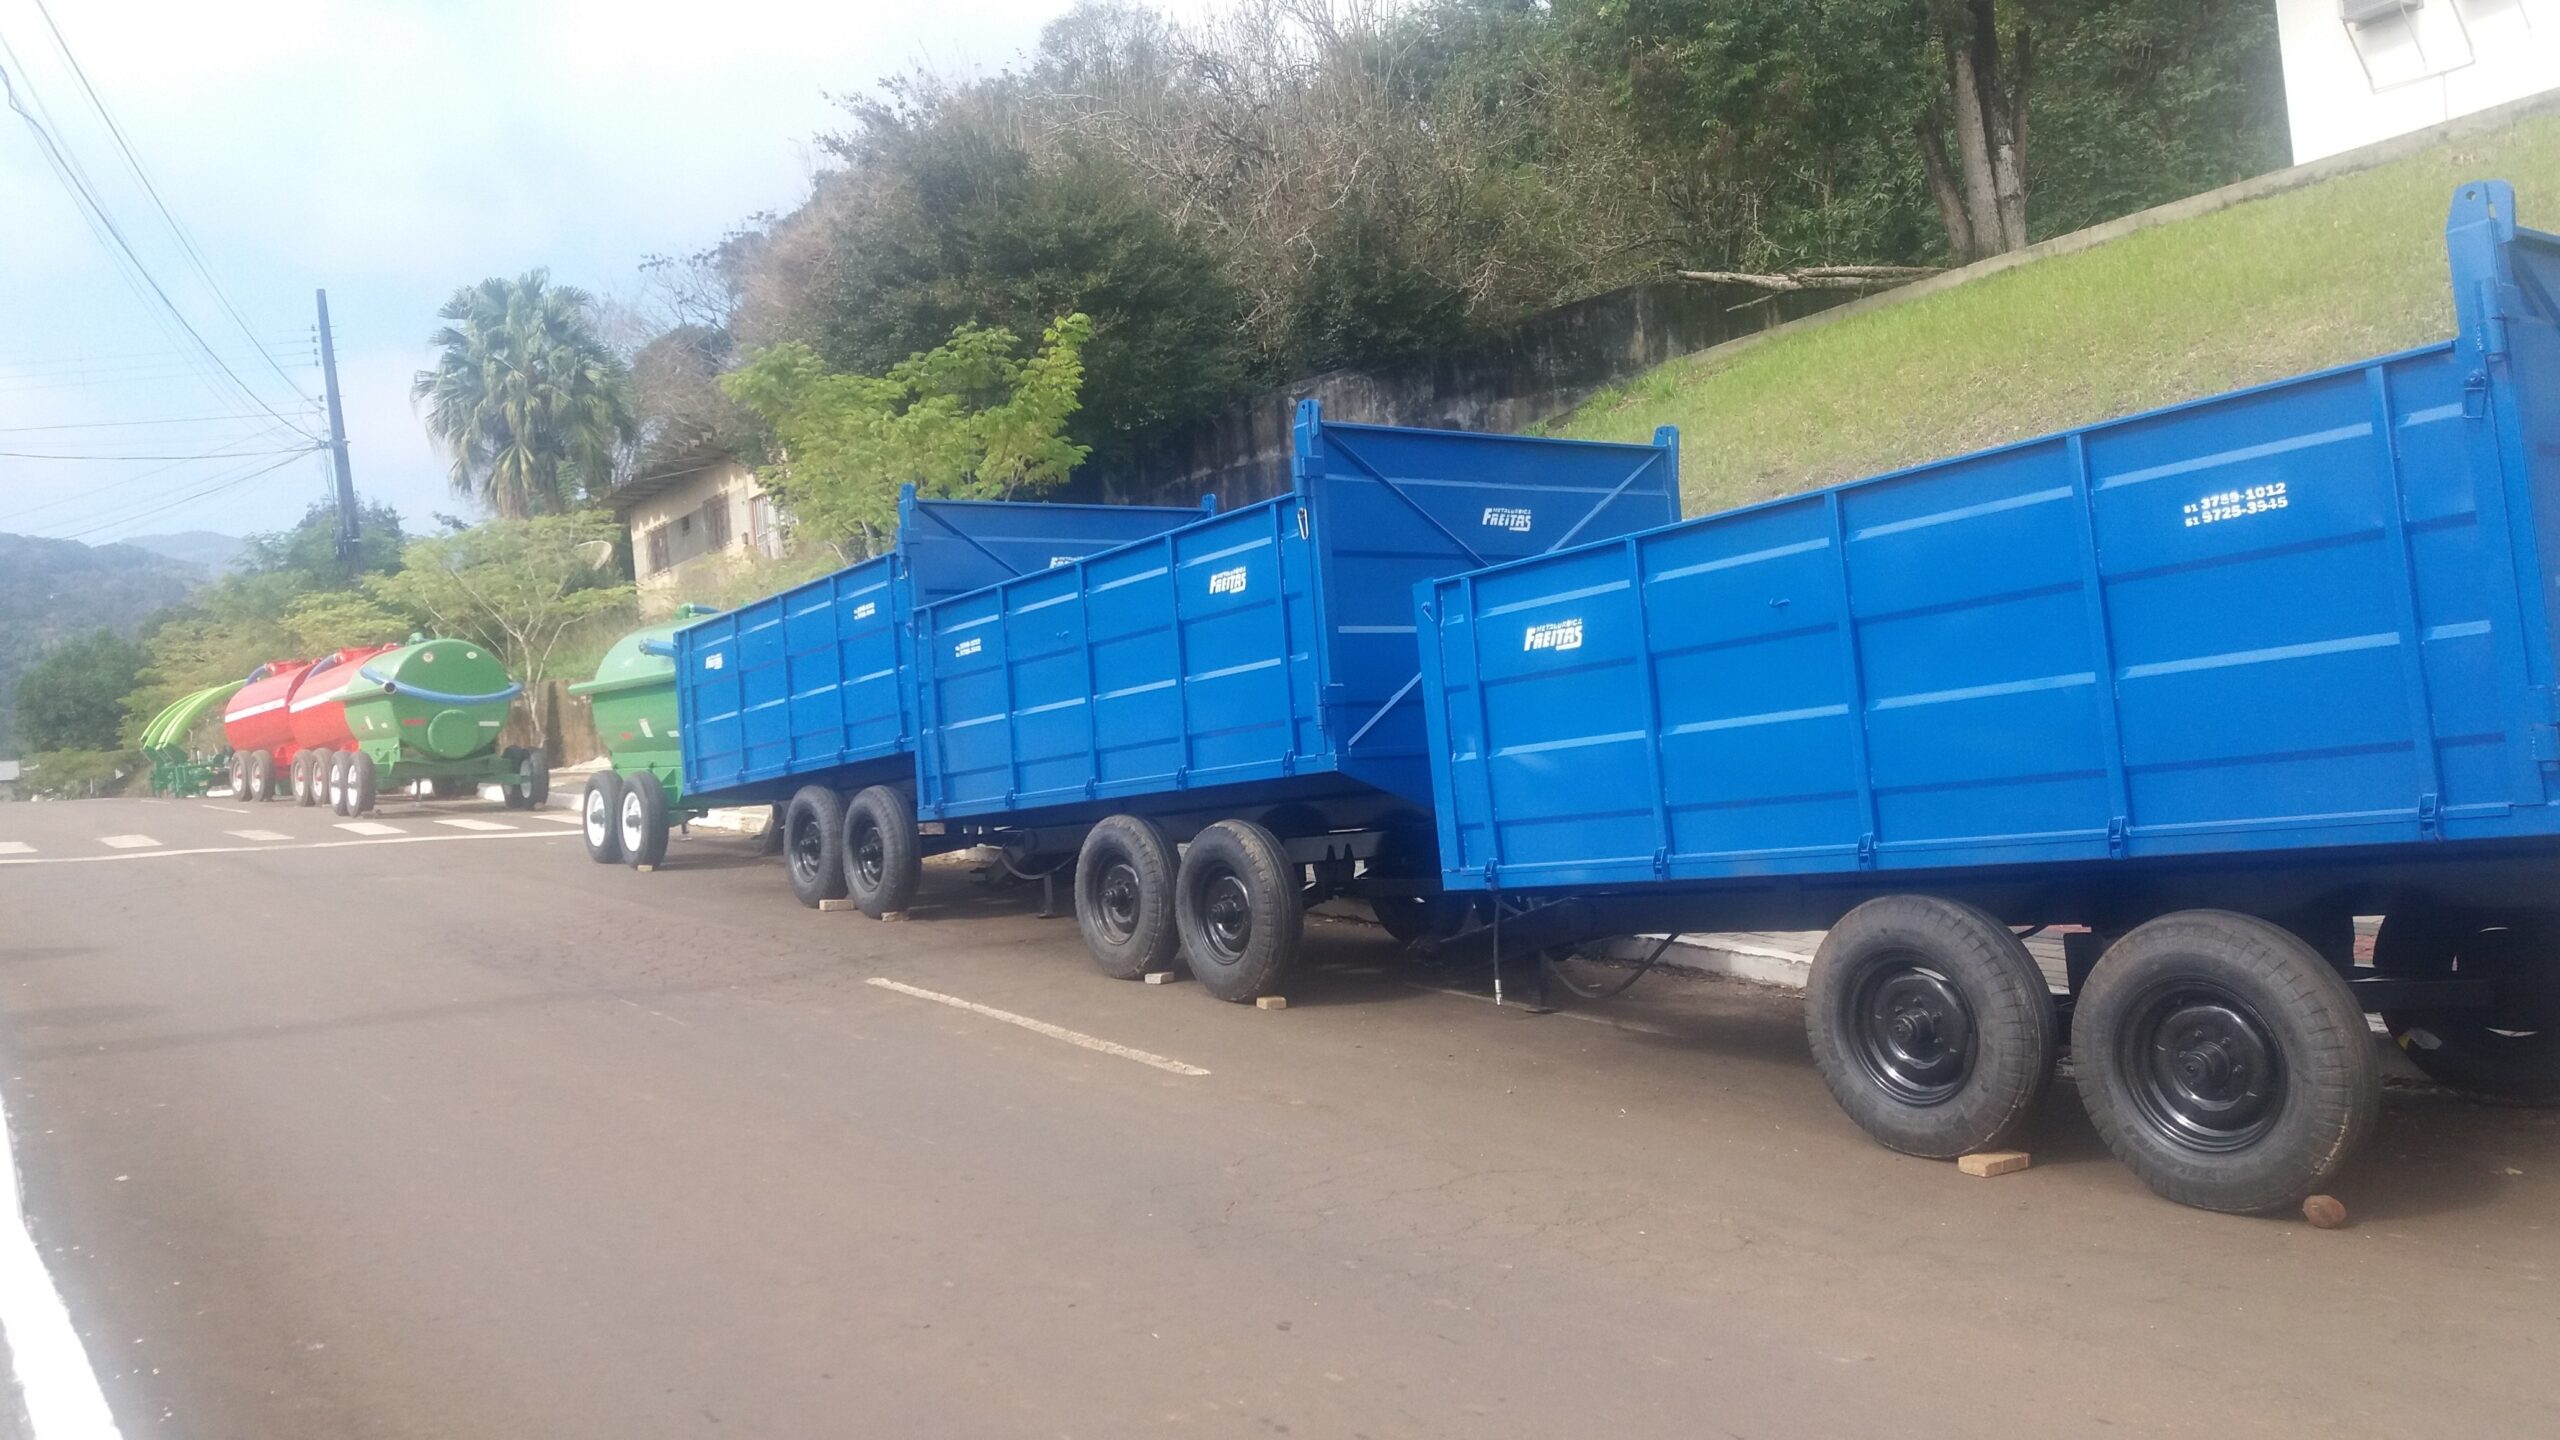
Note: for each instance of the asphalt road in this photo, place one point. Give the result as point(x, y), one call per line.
point(464, 1137)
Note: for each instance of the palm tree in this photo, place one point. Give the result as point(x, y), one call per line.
point(524, 399)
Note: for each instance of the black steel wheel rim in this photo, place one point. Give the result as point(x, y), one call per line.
point(1910, 1030)
point(1226, 915)
point(870, 854)
point(808, 848)
point(2202, 1067)
point(1118, 897)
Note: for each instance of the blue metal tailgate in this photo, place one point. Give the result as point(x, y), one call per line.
point(2306, 614)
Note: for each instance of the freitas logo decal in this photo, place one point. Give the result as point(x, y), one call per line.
point(1554, 635)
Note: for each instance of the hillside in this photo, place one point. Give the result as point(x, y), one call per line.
point(53, 589)
point(2343, 269)
point(196, 547)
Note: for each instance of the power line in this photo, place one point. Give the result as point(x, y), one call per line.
point(185, 241)
point(123, 424)
point(92, 492)
point(38, 455)
point(231, 483)
point(66, 170)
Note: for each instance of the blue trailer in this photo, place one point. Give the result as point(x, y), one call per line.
point(1246, 684)
point(805, 699)
point(2211, 682)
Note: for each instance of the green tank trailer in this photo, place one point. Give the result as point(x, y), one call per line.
point(430, 710)
point(629, 808)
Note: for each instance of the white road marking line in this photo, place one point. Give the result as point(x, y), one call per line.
point(234, 809)
point(16, 847)
point(369, 827)
point(1042, 1027)
point(259, 834)
point(559, 818)
point(128, 842)
point(279, 849)
point(56, 1384)
point(464, 823)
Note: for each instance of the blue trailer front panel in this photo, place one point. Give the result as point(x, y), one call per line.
point(1269, 647)
point(2307, 614)
point(812, 683)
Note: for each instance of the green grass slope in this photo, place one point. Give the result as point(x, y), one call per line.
point(2336, 272)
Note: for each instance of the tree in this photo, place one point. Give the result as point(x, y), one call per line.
point(1982, 196)
point(308, 555)
point(72, 698)
point(527, 403)
point(965, 418)
point(516, 586)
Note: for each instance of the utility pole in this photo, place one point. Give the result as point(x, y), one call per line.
point(337, 436)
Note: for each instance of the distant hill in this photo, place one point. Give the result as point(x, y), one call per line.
point(51, 590)
point(196, 547)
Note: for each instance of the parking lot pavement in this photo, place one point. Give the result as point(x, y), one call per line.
point(450, 1132)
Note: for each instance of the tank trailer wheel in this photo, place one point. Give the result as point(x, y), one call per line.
point(2510, 1052)
point(1931, 1025)
point(813, 845)
point(883, 863)
point(1238, 905)
point(533, 781)
point(361, 778)
point(2224, 1061)
point(600, 817)
point(1124, 897)
point(262, 776)
point(306, 777)
point(640, 810)
point(333, 781)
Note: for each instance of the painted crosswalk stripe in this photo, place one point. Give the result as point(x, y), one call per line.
point(259, 834)
point(370, 827)
point(469, 824)
point(128, 842)
point(16, 847)
point(559, 817)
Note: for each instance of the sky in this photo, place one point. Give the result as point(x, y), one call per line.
point(389, 151)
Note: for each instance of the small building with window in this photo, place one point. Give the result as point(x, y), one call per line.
point(690, 513)
point(2358, 71)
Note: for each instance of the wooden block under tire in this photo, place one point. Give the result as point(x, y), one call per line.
point(1161, 977)
point(1988, 1163)
point(1272, 1002)
point(827, 906)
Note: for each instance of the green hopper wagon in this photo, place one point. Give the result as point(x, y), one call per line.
point(629, 808)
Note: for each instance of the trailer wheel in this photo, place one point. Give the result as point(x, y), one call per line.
point(883, 864)
point(261, 776)
point(305, 789)
point(361, 777)
point(2508, 1053)
point(1124, 897)
point(813, 844)
point(1411, 853)
point(1931, 1025)
point(2224, 1061)
point(533, 781)
point(1238, 906)
point(600, 817)
point(640, 825)
point(333, 781)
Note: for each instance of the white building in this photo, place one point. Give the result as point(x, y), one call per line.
point(2358, 71)
point(690, 514)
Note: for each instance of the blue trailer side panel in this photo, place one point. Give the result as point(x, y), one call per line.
point(1269, 645)
point(813, 682)
point(2305, 614)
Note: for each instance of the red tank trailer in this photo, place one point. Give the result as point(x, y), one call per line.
point(317, 718)
point(259, 726)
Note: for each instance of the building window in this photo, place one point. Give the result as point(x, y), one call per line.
point(764, 527)
point(661, 552)
point(715, 523)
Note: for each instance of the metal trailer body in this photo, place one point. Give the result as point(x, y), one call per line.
point(257, 727)
point(1257, 659)
point(633, 697)
point(1244, 688)
point(2286, 652)
point(431, 710)
point(813, 686)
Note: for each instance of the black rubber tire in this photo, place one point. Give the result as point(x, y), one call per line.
point(333, 782)
point(315, 777)
point(1408, 918)
point(813, 845)
point(532, 788)
point(1240, 911)
point(2245, 1012)
point(600, 817)
point(233, 771)
point(1124, 897)
point(641, 817)
point(1968, 1047)
point(770, 842)
point(361, 780)
point(2510, 1053)
point(262, 776)
point(883, 858)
